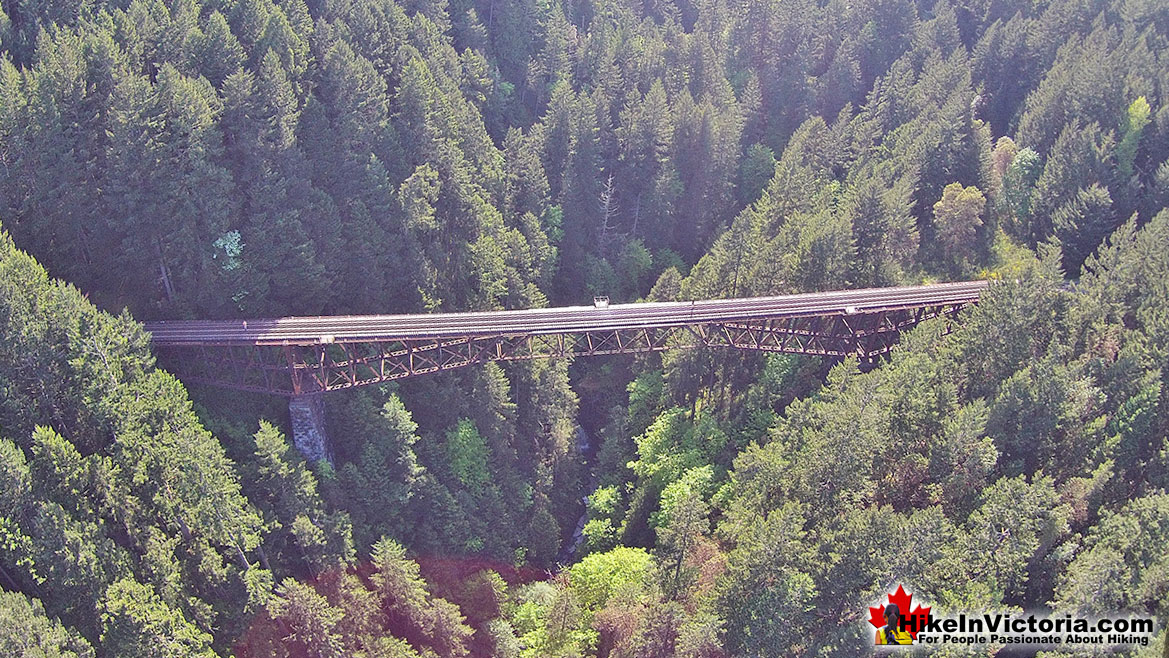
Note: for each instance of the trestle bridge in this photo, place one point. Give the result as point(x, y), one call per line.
point(301, 357)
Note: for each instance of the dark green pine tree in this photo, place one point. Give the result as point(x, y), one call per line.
point(218, 53)
point(1117, 555)
point(280, 38)
point(883, 228)
point(138, 624)
point(54, 145)
point(645, 133)
point(304, 531)
point(24, 20)
point(67, 562)
point(173, 201)
point(276, 201)
point(29, 631)
point(6, 35)
point(705, 156)
point(425, 619)
point(248, 19)
point(756, 168)
point(527, 185)
point(580, 195)
point(140, 492)
point(1081, 224)
point(342, 134)
point(1081, 156)
point(1006, 68)
point(177, 38)
point(381, 481)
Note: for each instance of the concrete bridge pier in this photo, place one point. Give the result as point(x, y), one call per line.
point(307, 413)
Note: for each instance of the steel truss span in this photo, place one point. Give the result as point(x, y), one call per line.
point(298, 356)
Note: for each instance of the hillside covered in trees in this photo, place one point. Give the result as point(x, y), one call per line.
point(260, 158)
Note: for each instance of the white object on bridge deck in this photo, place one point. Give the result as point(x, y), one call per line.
point(850, 310)
point(601, 302)
point(328, 339)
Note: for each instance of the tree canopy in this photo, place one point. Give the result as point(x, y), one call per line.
point(264, 158)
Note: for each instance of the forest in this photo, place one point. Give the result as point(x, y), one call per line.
point(171, 159)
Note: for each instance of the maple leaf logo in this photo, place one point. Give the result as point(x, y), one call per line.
point(910, 622)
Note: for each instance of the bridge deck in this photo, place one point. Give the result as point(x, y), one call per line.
point(571, 319)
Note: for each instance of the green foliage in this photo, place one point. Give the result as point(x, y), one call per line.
point(137, 623)
point(757, 168)
point(681, 523)
point(668, 447)
point(1119, 568)
point(957, 218)
point(1045, 417)
point(899, 451)
point(883, 228)
point(5, 31)
point(380, 485)
point(288, 491)
point(219, 53)
point(767, 594)
point(1081, 224)
point(255, 158)
point(133, 497)
point(431, 621)
point(28, 632)
point(695, 483)
point(1014, 526)
point(1136, 119)
point(312, 622)
point(601, 575)
point(1081, 156)
point(600, 532)
point(467, 453)
point(548, 622)
point(1018, 185)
